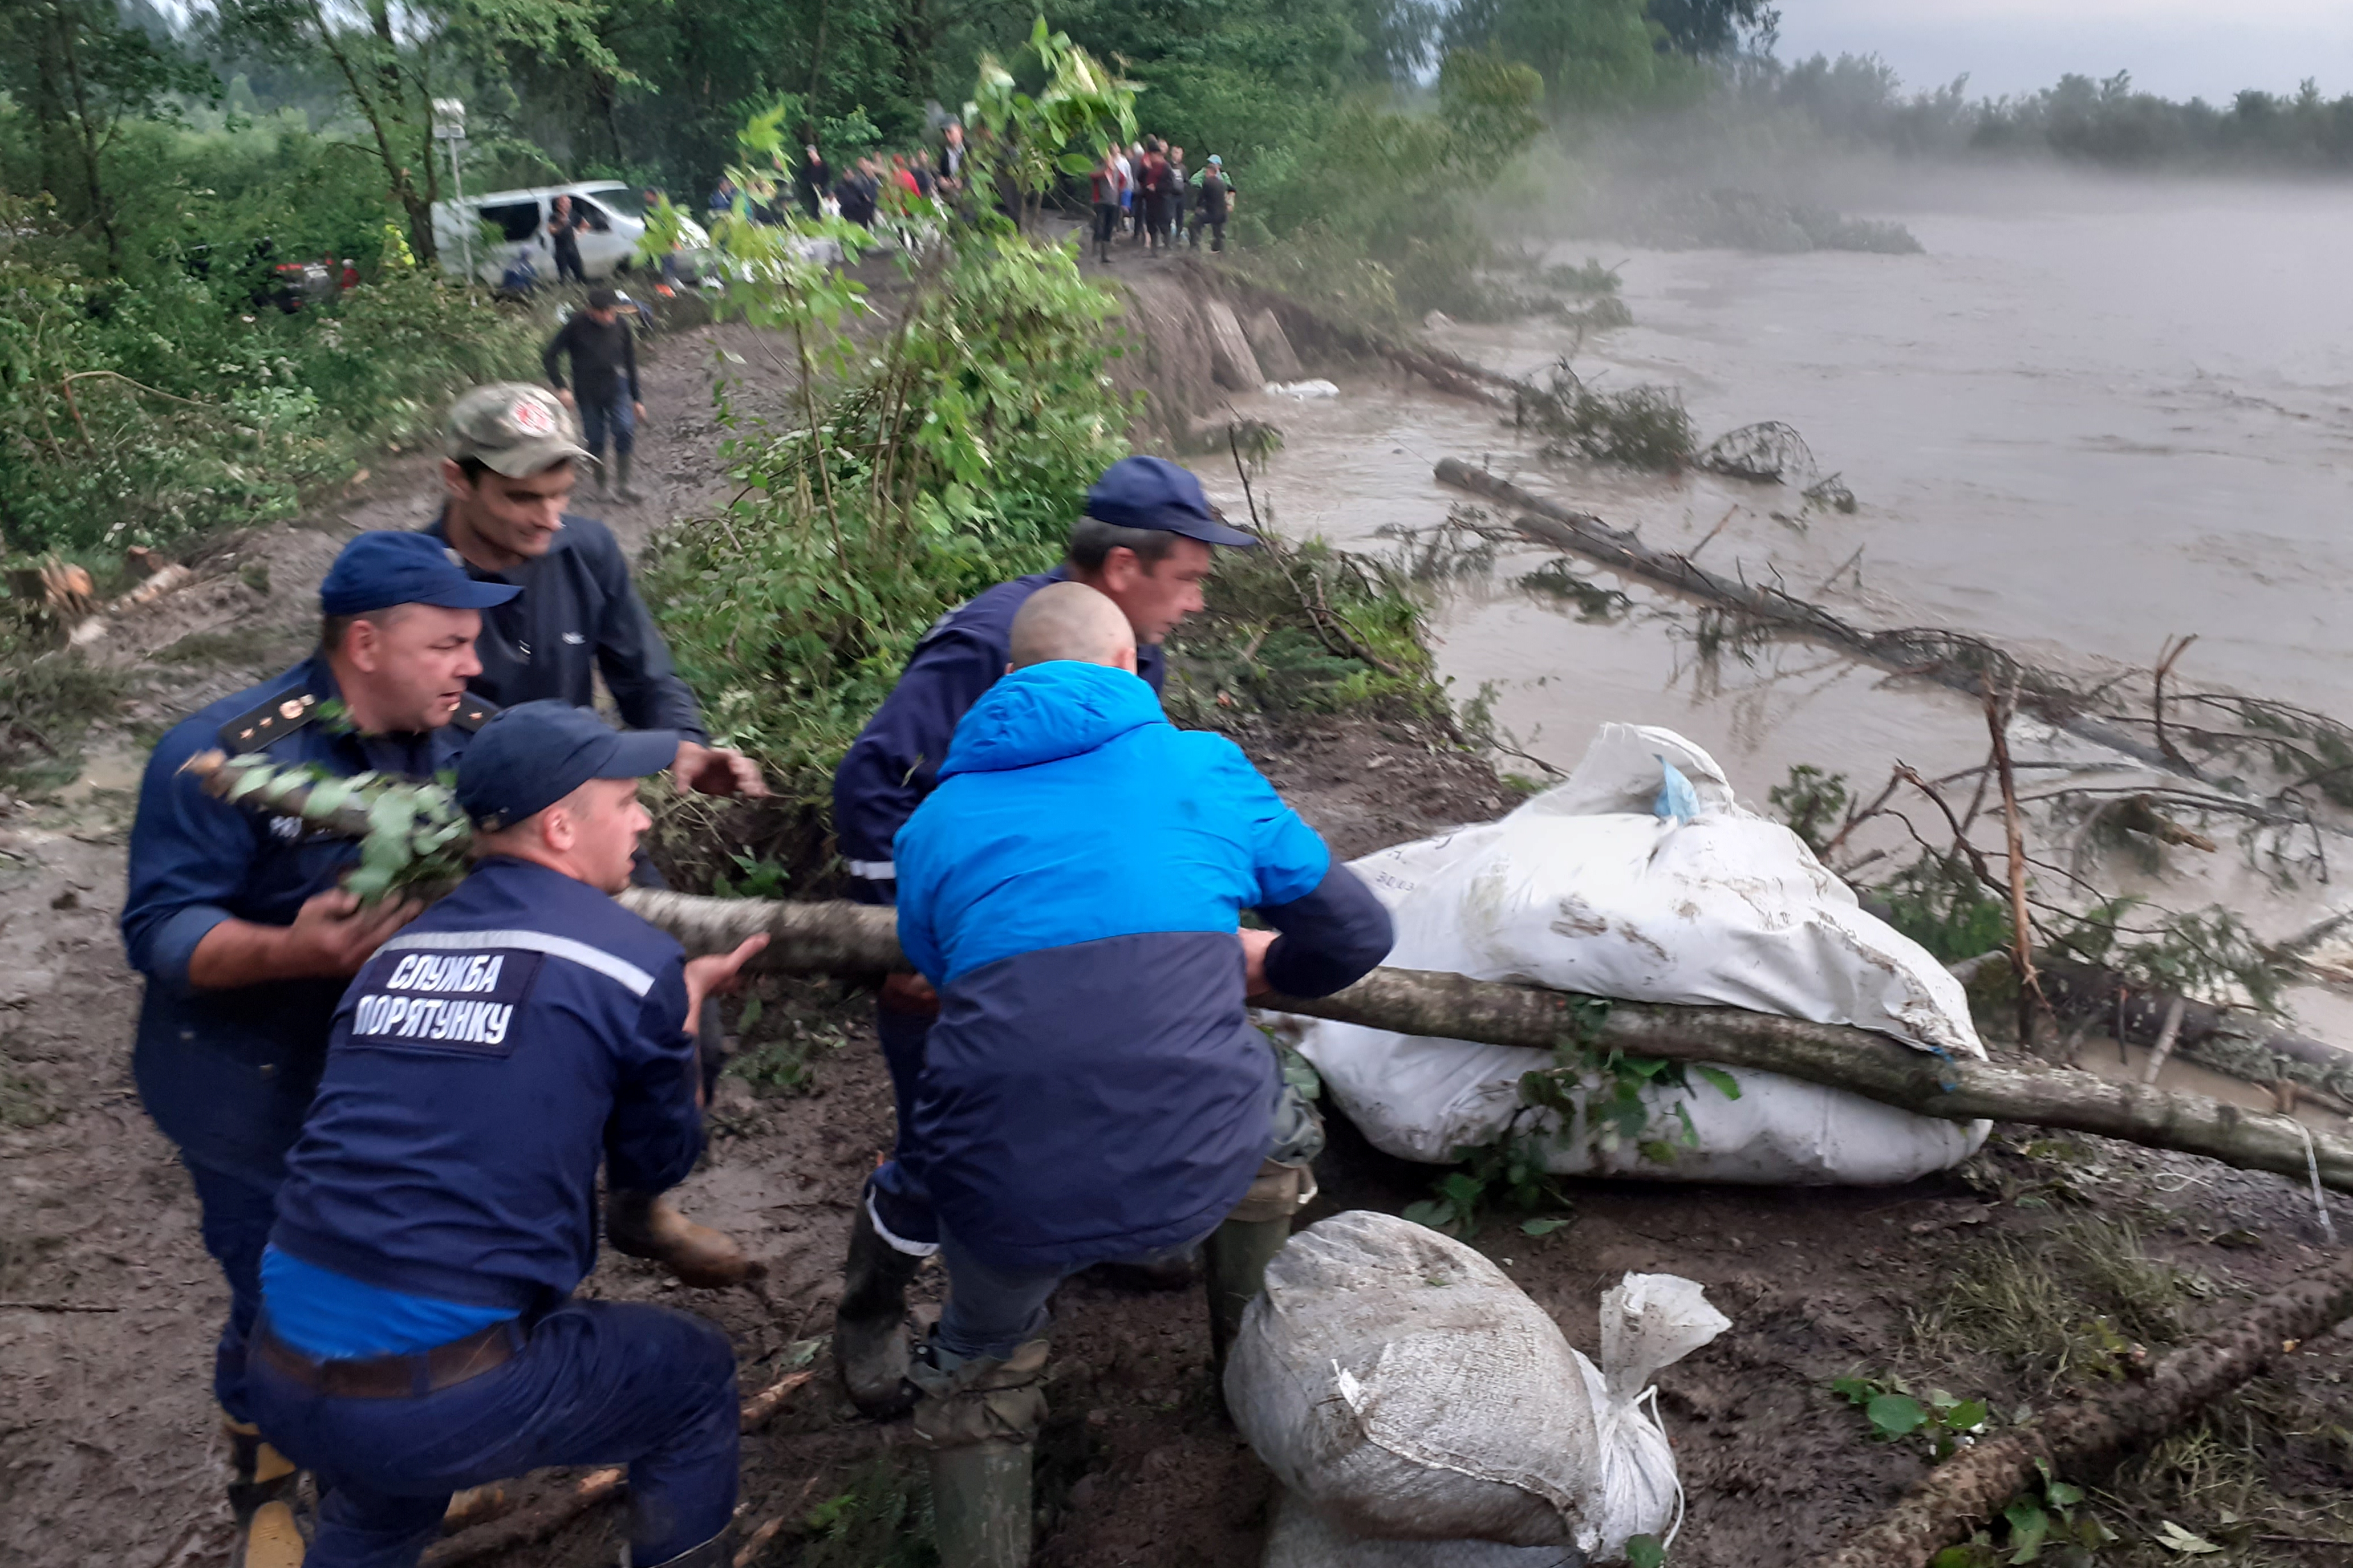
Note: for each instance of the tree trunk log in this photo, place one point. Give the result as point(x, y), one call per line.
point(1950, 658)
point(1975, 1484)
point(855, 938)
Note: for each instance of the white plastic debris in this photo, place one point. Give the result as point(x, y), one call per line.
point(1302, 389)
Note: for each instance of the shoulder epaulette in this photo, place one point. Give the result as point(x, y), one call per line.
point(473, 713)
point(274, 720)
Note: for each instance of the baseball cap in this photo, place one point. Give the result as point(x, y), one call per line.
point(515, 429)
point(603, 298)
point(386, 567)
point(533, 754)
point(1153, 493)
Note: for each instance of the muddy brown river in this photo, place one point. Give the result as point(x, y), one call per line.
point(2077, 429)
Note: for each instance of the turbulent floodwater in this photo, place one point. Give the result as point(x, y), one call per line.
point(2077, 428)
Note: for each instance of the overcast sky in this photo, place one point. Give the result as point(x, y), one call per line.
point(2182, 48)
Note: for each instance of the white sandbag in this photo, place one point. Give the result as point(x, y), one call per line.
point(1299, 1537)
point(1641, 878)
point(1406, 1390)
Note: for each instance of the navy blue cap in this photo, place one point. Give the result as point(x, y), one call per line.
point(1153, 493)
point(378, 569)
point(533, 754)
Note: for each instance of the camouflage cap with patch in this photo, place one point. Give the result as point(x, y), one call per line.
point(515, 429)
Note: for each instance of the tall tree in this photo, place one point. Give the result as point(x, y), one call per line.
point(84, 76)
point(393, 57)
point(1711, 29)
point(1590, 53)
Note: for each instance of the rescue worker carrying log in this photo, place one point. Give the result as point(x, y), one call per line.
point(247, 941)
point(417, 1334)
point(1145, 545)
point(1094, 1088)
point(512, 463)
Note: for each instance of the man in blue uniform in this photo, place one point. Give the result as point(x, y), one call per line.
point(245, 940)
point(1145, 544)
point(511, 464)
point(1094, 1088)
point(417, 1334)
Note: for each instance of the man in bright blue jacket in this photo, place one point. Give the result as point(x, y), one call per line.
point(417, 1333)
point(1094, 1088)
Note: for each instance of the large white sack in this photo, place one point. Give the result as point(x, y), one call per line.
point(1405, 1390)
point(1588, 888)
point(1299, 1537)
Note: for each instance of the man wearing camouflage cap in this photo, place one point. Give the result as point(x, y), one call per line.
point(513, 458)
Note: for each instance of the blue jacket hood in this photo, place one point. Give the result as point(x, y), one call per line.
point(1047, 712)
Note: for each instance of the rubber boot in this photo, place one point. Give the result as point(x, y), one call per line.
point(596, 466)
point(980, 1505)
point(719, 1551)
point(262, 1494)
point(869, 1326)
point(643, 1226)
point(624, 461)
point(1237, 1255)
point(980, 1422)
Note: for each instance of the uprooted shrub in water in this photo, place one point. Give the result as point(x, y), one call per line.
point(1644, 428)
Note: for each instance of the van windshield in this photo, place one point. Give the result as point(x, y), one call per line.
point(626, 200)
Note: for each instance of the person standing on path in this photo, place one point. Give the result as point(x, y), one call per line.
point(563, 227)
point(1152, 179)
point(418, 1335)
point(246, 939)
point(1178, 195)
point(1094, 1088)
point(1146, 543)
point(603, 349)
point(1216, 203)
point(1103, 187)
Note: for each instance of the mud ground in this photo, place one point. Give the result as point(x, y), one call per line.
point(109, 1306)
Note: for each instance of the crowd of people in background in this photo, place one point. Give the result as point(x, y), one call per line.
point(1143, 193)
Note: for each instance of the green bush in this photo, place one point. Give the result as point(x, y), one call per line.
point(139, 411)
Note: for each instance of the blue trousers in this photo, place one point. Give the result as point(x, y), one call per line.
point(238, 1207)
point(900, 1204)
point(616, 413)
point(597, 1383)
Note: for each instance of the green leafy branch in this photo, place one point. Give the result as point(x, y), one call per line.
point(1940, 1419)
point(2049, 1524)
point(414, 841)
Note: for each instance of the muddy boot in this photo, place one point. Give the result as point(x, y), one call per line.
point(623, 461)
point(1239, 1250)
point(979, 1421)
point(263, 1492)
point(643, 1226)
point(869, 1326)
point(597, 470)
point(719, 1551)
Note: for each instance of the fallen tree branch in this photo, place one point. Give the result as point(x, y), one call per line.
point(526, 1525)
point(856, 938)
point(1950, 658)
point(1975, 1484)
point(545, 1519)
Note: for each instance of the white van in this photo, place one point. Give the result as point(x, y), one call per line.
point(506, 228)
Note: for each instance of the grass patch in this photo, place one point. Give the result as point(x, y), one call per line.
point(232, 646)
point(47, 707)
point(883, 1520)
point(2082, 1302)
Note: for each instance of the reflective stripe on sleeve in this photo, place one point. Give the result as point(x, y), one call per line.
point(875, 870)
point(637, 980)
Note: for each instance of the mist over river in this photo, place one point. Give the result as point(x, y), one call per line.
point(2077, 426)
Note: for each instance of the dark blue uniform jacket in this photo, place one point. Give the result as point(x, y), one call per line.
point(487, 1058)
point(895, 761)
point(227, 1074)
point(1094, 1088)
point(578, 614)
